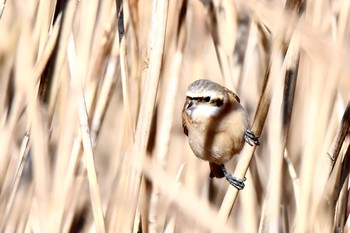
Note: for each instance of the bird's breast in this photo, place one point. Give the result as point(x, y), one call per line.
point(218, 140)
point(216, 147)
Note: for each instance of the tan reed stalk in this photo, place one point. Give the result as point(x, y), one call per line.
point(157, 38)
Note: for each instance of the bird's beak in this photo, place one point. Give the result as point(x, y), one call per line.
point(190, 105)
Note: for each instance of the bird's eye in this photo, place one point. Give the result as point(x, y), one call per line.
point(207, 99)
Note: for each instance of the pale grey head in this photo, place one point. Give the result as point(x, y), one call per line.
point(205, 88)
point(205, 98)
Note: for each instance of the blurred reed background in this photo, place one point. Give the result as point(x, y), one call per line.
point(91, 94)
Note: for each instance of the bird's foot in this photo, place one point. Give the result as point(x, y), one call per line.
point(237, 183)
point(250, 138)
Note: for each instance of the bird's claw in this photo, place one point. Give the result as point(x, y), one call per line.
point(250, 138)
point(237, 183)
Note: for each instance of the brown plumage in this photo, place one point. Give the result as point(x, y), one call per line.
point(217, 126)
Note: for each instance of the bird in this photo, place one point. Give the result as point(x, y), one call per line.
point(217, 126)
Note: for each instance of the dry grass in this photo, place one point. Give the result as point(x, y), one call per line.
point(90, 115)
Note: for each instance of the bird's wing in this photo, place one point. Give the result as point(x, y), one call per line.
point(233, 95)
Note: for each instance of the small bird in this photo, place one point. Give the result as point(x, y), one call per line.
point(217, 126)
